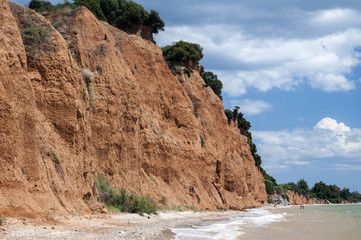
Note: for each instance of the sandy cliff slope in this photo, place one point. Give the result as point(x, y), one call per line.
point(140, 127)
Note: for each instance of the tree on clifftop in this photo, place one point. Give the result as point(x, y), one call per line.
point(126, 15)
point(183, 53)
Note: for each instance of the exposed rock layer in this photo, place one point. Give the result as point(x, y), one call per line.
point(146, 130)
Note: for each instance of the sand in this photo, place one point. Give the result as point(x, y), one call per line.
point(108, 226)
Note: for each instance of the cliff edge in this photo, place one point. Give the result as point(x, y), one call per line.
point(135, 123)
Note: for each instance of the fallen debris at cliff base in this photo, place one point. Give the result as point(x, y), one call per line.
point(110, 226)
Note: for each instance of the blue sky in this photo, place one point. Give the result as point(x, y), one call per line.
point(293, 67)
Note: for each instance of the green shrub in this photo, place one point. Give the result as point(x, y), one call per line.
point(155, 22)
point(164, 201)
point(183, 53)
point(212, 81)
point(143, 204)
point(40, 5)
point(187, 71)
point(123, 14)
point(270, 199)
point(269, 187)
point(122, 201)
point(35, 37)
point(1, 220)
point(229, 115)
point(53, 157)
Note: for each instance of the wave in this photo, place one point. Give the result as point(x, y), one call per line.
point(229, 229)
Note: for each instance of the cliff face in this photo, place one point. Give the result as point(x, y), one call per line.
point(298, 199)
point(142, 129)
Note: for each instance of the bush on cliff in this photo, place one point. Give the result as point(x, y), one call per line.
point(124, 202)
point(183, 53)
point(40, 6)
point(36, 38)
point(212, 81)
point(188, 55)
point(269, 187)
point(229, 115)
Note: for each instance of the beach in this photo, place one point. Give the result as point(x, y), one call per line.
point(313, 222)
point(109, 226)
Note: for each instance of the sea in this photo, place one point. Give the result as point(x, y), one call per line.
point(319, 222)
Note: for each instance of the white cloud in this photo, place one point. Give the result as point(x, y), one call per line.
point(346, 167)
point(245, 60)
point(299, 163)
point(333, 125)
point(251, 107)
point(328, 139)
point(336, 18)
point(331, 82)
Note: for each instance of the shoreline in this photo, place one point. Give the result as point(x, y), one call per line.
point(110, 226)
point(126, 226)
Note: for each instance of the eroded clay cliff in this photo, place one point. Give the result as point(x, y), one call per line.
point(144, 129)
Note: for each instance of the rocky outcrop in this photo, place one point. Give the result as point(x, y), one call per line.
point(294, 198)
point(136, 124)
point(297, 199)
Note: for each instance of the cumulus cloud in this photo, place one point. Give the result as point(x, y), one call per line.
point(332, 125)
point(245, 61)
point(328, 139)
point(283, 47)
point(251, 107)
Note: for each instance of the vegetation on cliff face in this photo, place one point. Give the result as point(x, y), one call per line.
point(125, 15)
point(212, 81)
point(183, 53)
point(188, 55)
point(122, 201)
point(244, 126)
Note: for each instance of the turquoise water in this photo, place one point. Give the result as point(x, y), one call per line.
point(283, 223)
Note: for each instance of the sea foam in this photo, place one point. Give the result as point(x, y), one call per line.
point(229, 229)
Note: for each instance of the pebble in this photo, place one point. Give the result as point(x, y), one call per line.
point(52, 227)
point(4, 229)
